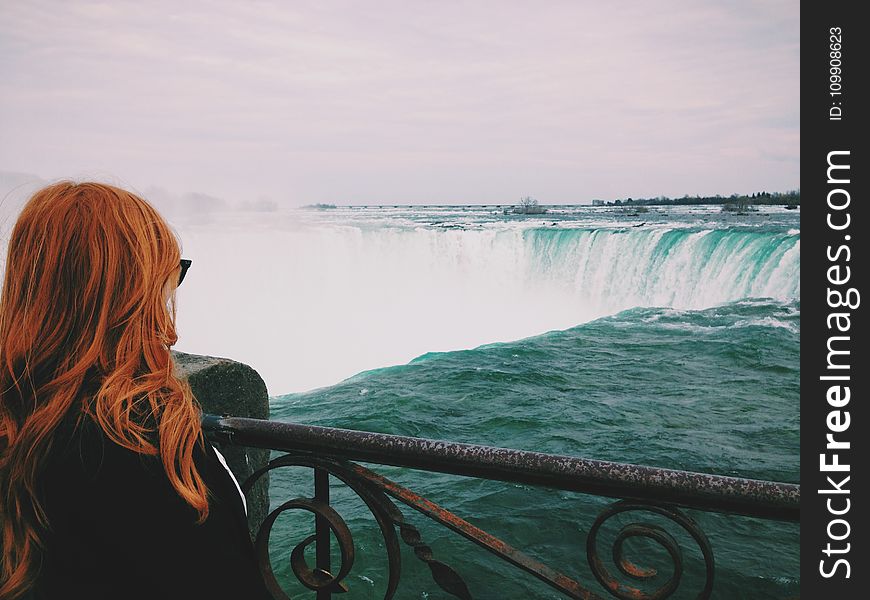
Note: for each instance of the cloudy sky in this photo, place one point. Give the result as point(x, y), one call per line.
point(404, 102)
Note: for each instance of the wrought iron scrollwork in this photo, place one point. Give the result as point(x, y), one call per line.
point(654, 490)
point(313, 579)
point(657, 534)
point(373, 489)
point(386, 514)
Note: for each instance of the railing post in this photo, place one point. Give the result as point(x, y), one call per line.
point(322, 533)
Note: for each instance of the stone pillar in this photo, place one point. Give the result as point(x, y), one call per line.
point(226, 387)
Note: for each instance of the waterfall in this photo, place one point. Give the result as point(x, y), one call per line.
point(310, 305)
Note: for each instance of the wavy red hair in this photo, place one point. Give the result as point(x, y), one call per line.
point(87, 304)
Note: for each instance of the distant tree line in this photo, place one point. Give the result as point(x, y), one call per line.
point(790, 198)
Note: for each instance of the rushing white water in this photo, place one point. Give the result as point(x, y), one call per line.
point(308, 304)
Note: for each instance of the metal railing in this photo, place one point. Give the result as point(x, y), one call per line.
point(329, 451)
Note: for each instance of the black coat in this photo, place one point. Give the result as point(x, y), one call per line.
point(119, 530)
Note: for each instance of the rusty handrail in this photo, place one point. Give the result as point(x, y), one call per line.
point(716, 493)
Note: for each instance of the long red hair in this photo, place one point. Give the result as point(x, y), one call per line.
point(87, 304)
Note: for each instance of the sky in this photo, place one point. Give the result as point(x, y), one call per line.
point(264, 104)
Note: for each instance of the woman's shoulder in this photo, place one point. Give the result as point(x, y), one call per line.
point(114, 514)
point(81, 449)
point(87, 466)
point(89, 476)
point(88, 470)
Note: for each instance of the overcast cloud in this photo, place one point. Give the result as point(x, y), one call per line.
point(403, 102)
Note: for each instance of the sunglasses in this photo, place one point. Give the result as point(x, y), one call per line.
point(185, 265)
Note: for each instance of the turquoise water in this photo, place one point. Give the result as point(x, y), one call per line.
point(696, 367)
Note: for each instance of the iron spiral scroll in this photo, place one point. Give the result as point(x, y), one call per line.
point(652, 532)
point(386, 514)
point(375, 491)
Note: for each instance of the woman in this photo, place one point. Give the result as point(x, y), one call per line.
point(107, 488)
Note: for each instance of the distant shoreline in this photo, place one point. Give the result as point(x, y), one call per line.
point(788, 199)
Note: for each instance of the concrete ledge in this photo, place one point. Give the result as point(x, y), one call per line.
point(226, 387)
